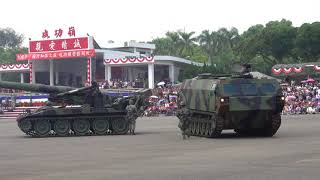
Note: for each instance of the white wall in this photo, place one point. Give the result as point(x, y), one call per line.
point(109, 54)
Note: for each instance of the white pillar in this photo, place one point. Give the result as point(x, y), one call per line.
point(33, 73)
point(22, 77)
point(107, 72)
point(151, 75)
point(51, 72)
point(171, 73)
point(57, 77)
point(131, 78)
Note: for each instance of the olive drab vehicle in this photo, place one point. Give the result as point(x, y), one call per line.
point(208, 104)
point(83, 111)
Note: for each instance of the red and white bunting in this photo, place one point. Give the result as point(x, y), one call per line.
point(142, 60)
point(14, 67)
point(276, 70)
point(287, 70)
point(316, 68)
point(297, 69)
point(294, 69)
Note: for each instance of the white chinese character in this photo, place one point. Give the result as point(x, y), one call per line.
point(76, 44)
point(38, 47)
point(64, 45)
point(51, 45)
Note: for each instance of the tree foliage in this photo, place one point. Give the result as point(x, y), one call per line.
point(260, 45)
point(10, 42)
point(9, 38)
point(308, 42)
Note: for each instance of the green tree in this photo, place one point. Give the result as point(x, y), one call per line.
point(249, 44)
point(278, 40)
point(308, 42)
point(10, 38)
point(175, 43)
point(162, 46)
point(187, 42)
point(208, 42)
point(10, 43)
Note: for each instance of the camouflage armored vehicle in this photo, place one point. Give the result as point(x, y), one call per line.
point(208, 104)
point(80, 111)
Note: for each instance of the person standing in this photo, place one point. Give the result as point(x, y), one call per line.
point(132, 116)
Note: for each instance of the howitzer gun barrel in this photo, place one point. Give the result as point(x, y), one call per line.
point(41, 88)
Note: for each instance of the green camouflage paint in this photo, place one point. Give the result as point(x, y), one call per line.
point(80, 111)
point(240, 102)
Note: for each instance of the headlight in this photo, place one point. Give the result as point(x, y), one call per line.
point(282, 98)
point(222, 100)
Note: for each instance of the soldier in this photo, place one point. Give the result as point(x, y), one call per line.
point(184, 123)
point(132, 116)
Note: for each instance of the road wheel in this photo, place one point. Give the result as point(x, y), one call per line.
point(81, 126)
point(203, 127)
point(216, 126)
point(120, 126)
point(191, 128)
point(100, 126)
point(207, 129)
point(42, 128)
point(195, 127)
point(210, 129)
point(61, 127)
point(25, 125)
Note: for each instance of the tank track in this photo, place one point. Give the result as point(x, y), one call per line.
point(274, 125)
point(205, 128)
point(116, 125)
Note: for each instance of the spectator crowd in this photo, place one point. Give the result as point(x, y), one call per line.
point(119, 84)
point(301, 98)
point(163, 101)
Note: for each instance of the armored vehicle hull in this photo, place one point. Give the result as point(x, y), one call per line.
point(58, 121)
point(210, 104)
point(83, 111)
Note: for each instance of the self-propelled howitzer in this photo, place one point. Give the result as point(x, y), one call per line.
point(82, 111)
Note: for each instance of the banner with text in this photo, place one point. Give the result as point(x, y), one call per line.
point(58, 45)
point(56, 55)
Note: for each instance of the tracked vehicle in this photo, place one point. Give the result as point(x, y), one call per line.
point(209, 104)
point(83, 111)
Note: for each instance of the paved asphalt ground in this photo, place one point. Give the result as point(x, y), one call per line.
point(158, 152)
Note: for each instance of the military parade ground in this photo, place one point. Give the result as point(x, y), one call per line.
point(157, 151)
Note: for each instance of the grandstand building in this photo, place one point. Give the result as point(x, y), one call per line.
point(86, 61)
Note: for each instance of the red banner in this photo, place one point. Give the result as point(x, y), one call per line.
point(56, 55)
point(58, 45)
